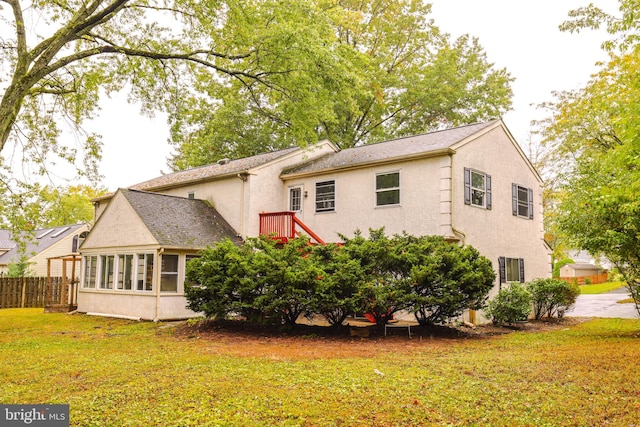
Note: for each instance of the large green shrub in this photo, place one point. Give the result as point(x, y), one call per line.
point(446, 278)
point(337, 292)
point(386, 285)
point(378, 275)
point(512, 304)
point(552, 296)
point(220, 281)
point(287, 277)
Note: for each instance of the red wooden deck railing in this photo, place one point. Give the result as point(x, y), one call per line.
point(285, 225)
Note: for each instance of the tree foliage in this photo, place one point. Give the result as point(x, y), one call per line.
point(154, 48)
point(359, 72)
point(47, 206)
point(379, 276)
point(595, 135)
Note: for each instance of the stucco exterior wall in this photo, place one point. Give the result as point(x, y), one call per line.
point(121, 217)
point(497, 232)
point(241, 198)
point(226, 195)
point(355, 206)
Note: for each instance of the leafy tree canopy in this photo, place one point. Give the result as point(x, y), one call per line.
point(49, 207)
point(59, 57)
point(357, 72)
point(595, 138)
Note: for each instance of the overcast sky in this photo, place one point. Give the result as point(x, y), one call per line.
point(521, 36)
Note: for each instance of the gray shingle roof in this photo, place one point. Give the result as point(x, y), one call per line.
point(179, 222)
point(5, 240)
point(44, 238)
point(211, 171)
point(395, 148)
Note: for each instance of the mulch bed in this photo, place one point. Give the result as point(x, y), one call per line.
point(210, 329)
point(312, 342)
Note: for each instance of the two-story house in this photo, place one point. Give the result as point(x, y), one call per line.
point(471, 184)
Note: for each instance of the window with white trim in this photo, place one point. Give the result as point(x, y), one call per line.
point(477, 188)
point(326, 196)
point(388, 189)
point(511, 269)
point(522, 201)
point(106, 272)
point(125, 272)
point(90, 271)
point(144, 272)
point(169, 273)
point(295, 199)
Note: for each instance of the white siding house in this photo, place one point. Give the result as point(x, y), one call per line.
point(47, 244)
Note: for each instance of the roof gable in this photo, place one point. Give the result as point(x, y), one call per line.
point(494, 125)
point(177, 221)
point(428, 144)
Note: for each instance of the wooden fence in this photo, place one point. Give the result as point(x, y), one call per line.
point(592, 280)
point(20, 292)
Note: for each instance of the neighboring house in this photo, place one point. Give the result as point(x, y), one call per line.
point(6, 244)
point(584, 257)
point(471, 184)
point(580, 270)
point(46, 250)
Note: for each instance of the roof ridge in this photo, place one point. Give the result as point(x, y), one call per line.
point(487, 123)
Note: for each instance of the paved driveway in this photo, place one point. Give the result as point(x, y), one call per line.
point(604, 305)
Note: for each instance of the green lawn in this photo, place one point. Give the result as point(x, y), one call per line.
point(601, 287)
point(121, 373)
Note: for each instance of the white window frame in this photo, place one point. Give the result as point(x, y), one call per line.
point(383, 190)
point(506, 268)
point(300, 190)
point(106, 278)
point(90, 271)
point(482, 190)
point(519, 204)
point(169, 277)
point(470, 190)
point(121, 270)
point(142, 278)
point(329, 203)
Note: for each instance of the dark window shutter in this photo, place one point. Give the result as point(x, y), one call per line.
point(530, 203)
point(514, 199)
point(74, 244)
point(521, 265)
point(488, 183)
point(467, 186)
point(502, 269)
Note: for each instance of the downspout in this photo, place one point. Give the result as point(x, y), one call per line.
point(156, 279)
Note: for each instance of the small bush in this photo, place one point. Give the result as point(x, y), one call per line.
point(511, 305)
point(552, 296)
